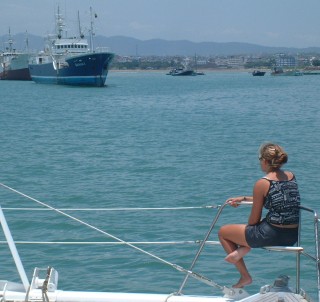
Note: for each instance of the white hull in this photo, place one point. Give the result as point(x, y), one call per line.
point(73, 296)
point(129, 297)
point(19, 295)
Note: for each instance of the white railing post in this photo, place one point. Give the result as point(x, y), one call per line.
point(14, 251)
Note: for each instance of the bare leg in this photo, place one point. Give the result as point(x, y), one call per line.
point(232, 238)
point(245, 278)
point(236, 255)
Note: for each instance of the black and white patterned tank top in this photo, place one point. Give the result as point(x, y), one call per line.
point(283, 202)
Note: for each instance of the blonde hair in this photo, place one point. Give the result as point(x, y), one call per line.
point(274, 155)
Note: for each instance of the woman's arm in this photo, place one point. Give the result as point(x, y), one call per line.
point(236, 201)
point(260, 190)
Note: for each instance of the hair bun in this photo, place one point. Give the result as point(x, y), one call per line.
point(274, 155)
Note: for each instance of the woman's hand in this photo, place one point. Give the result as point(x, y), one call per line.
point(235, 201)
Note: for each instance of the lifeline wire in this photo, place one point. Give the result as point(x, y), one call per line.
point(177, 267)
point(114, 242)
point(112, 209)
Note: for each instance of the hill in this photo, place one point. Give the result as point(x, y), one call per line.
point(126, 46)
point(130, 46)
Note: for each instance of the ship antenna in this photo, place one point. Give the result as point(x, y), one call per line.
point(10, 40)
point(27, 41)
point(59, 24)
point(91, 29)
point(80, 31)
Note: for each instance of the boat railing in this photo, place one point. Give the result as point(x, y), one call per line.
point(298, 250)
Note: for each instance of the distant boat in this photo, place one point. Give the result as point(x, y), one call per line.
point(277, 71)
point(196, 64)
point(311, 71)
point(181, 72)
point(69, 61)
point(14, 64)
point(258, 73)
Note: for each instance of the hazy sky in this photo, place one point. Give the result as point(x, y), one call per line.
point(291, 23)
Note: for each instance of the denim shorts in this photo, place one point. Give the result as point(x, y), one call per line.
point(265, 234)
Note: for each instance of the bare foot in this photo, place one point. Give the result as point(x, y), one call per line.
point(243, 282)
point(236, 255)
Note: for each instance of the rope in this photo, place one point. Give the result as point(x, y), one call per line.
point(177, 267)
point(45, 297)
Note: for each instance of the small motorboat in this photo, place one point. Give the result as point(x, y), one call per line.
point(181, 72)
point(258, 73)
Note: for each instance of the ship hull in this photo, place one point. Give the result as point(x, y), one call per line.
point(258, 73)
point(16, 75)
point(15, 66)
point(184, 73)
point(84, 70)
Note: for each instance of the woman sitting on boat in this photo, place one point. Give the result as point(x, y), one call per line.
point(278, 192)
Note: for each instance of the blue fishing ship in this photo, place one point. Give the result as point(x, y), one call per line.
point(70, 60)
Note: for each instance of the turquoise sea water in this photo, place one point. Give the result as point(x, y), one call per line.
point(150, 140)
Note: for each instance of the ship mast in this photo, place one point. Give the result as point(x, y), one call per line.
point(91, 30)
point(10, 41)
point(79, 25)
point(27, 41)
point(59, 24)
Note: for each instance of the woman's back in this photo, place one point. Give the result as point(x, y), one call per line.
point(283, 201)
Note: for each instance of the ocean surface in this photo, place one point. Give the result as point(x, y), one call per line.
point(148, 140)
